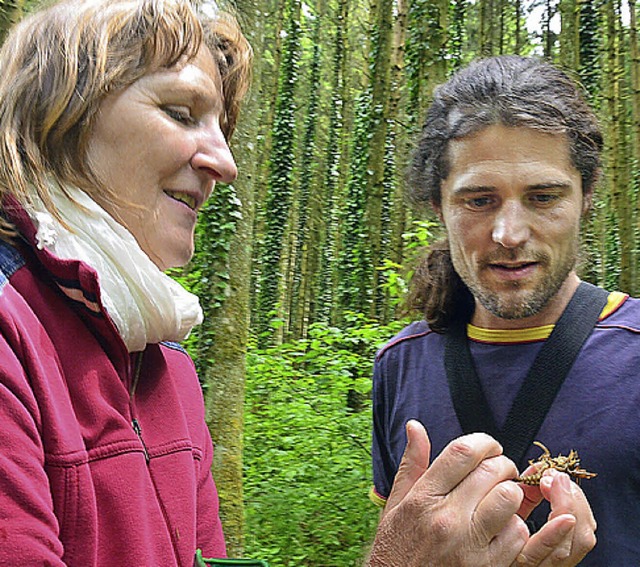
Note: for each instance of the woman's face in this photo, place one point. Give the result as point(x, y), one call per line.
point(158, 146)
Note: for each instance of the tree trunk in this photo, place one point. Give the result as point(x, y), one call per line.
point(518, 9)
point(375, 190)
point(325, 287)
point(487, 28)
point(304, 254)
point(224, 380)
point(280, 188)
point(399, 143)
point(620, 234)
point(570, 36)
point(634, 64)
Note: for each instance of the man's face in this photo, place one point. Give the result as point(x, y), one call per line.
point(512, 205)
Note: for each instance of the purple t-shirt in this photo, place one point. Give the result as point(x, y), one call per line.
point(596, 412)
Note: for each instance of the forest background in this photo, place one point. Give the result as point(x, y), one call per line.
point(302, 264)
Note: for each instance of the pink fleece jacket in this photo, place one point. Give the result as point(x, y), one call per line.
point(95, 470)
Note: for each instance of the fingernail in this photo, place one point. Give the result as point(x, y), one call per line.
point(408, 427)
point(521, 559)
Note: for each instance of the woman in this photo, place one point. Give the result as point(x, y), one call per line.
point(114, 121)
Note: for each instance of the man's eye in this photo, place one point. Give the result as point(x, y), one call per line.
point(479, 202)
point(544, 198)
point(179, 114)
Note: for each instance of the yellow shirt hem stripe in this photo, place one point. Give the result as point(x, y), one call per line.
point(616, 298)
point(376, 498)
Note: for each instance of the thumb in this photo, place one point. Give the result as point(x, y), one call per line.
point(414, 464)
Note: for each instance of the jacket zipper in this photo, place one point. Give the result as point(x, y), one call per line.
point(134, 421)
point(138, 429)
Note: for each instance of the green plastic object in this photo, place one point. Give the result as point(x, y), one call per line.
point(202, 562)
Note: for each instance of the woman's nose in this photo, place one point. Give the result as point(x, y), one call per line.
point(511, 227)
point(214, 158)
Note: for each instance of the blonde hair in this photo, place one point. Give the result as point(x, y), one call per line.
point(57, 65)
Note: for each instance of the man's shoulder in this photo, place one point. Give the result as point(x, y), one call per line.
point(412, 336)
point(622, 311)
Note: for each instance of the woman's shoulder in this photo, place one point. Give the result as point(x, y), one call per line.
point(11, 260)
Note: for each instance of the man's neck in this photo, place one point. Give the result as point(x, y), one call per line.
point(548, 315)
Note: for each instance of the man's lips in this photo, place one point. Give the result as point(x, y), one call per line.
point(512, 265)
point(513, 270)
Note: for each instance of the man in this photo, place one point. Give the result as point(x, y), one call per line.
point(508, 159)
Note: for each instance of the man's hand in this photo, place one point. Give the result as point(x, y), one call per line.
point(459, 511)
point(570, 532)
point(464, 510)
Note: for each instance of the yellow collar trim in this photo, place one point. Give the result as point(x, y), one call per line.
point(616, 299)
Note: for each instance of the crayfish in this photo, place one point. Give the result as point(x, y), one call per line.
point(569, 464)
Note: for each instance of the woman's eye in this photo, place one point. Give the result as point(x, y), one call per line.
point(179, 114)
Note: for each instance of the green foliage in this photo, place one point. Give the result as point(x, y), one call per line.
point(394, 282)
point(397, 276)
point(458, 13)
point(307, 458)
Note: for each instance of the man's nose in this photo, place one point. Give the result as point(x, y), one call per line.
point(511, 227)
point(213, 156)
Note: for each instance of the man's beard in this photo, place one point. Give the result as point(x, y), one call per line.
point(511, 304)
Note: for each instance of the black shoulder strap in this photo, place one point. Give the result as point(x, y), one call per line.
point(466, 391)
point(541, 385)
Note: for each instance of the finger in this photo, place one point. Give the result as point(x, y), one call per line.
point(414, 463)
point(458, 459)
point(508, 543)
point(532, 498)
point(532, 494)
point(549, 546)
point(484, 478)
point(566, 497)
point(496, 509)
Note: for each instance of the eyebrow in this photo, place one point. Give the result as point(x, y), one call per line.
point(565, 185)
point(552, 184)
point(471, 189)
point(197, 92)
point(199, 95)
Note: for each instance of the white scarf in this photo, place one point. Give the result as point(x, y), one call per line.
point(146, 305)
